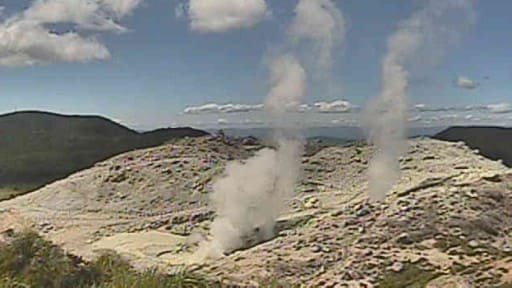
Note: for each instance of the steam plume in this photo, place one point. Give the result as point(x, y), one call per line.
point(251, 195)
point(288, 80)
point(419, 42)
point(321, 23)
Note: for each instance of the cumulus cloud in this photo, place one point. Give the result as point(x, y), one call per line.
point(180, 10)
point(425, 108)
point(121, 8)
point(415, 118)
point(25, 38)
point(303, 108)
point(92, 15)
point(428, 108)
point(338, 106)
point(85, 15)
point(249, 121)
point(466, 83)
point(23, 44)
point(490, 108)
point(213, 108)
point(222, 121)
point(222, 15)
point(500, 108)
point(340, 122)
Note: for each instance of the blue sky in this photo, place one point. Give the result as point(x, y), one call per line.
point(160, 65)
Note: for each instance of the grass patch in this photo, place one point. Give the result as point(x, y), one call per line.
point(449, 242)
point(30, 261)
point(9, 192)
point(411, 276)
point(452, 242)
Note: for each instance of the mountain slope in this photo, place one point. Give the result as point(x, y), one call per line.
point(37, 148)
point(492, 142)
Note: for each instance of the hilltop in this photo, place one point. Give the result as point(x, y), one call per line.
point(492, 142)
point(446, 222)
point(37, 148)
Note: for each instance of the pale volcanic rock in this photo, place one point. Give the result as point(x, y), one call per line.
point(447, 199)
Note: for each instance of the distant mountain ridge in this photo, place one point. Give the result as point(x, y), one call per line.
point(492, 142)
point(37, 147)
point(345, 133)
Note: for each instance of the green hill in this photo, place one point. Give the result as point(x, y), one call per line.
point(37, 148)
point(492, 142)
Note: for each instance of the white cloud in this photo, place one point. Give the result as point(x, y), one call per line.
point(121, 8)
point(466, 83)
point(500, 108)
point(99, 15)
point(426, 108)
point(26, 40)
point(23, 44)
point(222, 108)
point(86, 15)
point(340, 122)
point(492, 108)
point(303, 108)
point(224, 15)
point(337, 106)
point(449, 116)
point(180, 10)
point(415, 118)
point(249, 121)
point(222, 121)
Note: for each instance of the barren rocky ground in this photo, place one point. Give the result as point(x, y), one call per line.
point(447, 223)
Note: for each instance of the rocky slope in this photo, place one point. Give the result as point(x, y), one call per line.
point(447, 222)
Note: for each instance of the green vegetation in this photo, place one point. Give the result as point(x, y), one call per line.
point(11, 192)
point(30, 261)
point(411, 276)
point(37, 148)
point(444, 244)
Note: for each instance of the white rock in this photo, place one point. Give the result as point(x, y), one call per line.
point(473, 243)
point(396, 267)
